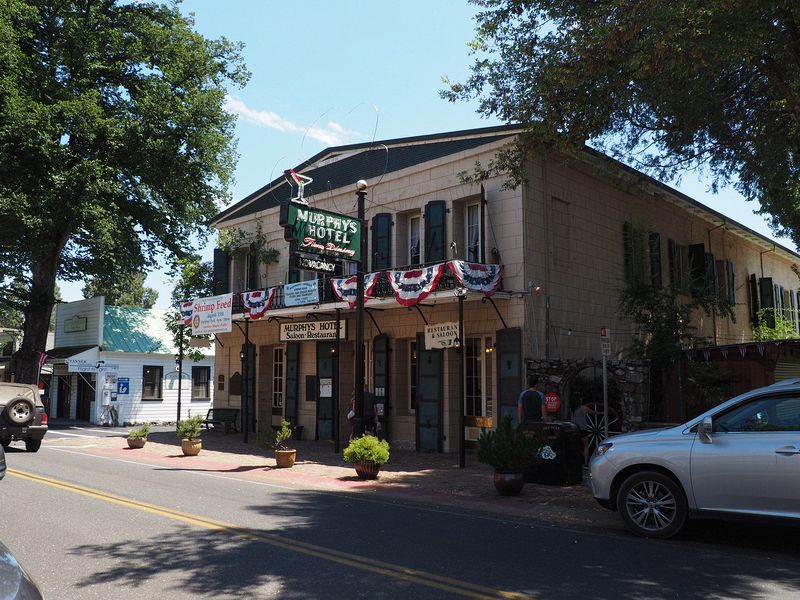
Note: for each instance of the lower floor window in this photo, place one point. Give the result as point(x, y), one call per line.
point(151, 382)
point(277, 377)
point(201, 377)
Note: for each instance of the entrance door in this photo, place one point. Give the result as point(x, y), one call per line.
point(85, 396)
point(429, 397)
point(325, 390)
point(380, 380)
point(63, 403)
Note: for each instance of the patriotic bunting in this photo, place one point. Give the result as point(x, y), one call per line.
point(345, 289)
point(411, 287)
point(187, 308)
point(258, 302)
point(477, 277)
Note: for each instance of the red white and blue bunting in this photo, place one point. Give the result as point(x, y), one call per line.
point(477, 277)
point(411, 287)
point(258, 302)
point(345, 289)
point(187, 308)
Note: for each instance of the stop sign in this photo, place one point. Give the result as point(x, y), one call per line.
point(552, 402)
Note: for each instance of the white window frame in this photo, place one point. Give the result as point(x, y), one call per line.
point(474, 208)
point(410, 257)
point(278, 375)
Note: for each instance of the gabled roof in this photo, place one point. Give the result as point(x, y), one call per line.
point(343, 166)
point(131, 329)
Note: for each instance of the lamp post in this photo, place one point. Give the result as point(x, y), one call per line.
point(179, 363)
point(462, 458)
point(361, 193)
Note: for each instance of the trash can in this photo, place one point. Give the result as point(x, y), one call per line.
point(297, 432)
point(560, 453)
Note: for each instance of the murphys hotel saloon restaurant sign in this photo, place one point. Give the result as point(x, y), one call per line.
point(320, 232)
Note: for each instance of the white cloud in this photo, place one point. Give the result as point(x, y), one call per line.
point(331, 134)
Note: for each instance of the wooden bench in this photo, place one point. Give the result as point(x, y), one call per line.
point(222, 416)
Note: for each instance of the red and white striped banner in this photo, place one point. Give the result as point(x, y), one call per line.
point(345, 289)
point(477, 277)
point(258, 302)
point(411, 287)
point(187, 308)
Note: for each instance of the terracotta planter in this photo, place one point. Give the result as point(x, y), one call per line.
point(285, 458)
point(136, 442)
point(508, 484)
point(367, 469)
point(191, 447)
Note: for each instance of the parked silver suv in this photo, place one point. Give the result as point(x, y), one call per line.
point(741, 458)
point(22, 415)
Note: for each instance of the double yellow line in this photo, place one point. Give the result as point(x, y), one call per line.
point(416, 576)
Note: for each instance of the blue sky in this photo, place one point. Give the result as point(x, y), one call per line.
point(329, 73)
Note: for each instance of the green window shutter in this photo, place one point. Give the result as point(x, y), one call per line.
point(435, 231)
point(754, 299)
point(767, 298)
point(252, 268)
point(220, 278)
point(291, 384)
point(674, 265)
point(711, 275)
point(731, 278)
point(627, 249)
point(381, 242)
point(655, 259)
point(697, 268)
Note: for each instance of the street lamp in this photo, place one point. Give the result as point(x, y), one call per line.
point(361, 194)
point(461, 293)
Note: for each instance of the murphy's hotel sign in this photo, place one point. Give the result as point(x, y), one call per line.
point(321, 232)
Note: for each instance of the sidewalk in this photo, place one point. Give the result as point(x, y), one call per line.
point(409, 476)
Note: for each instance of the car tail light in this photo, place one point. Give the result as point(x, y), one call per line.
point(44, 418)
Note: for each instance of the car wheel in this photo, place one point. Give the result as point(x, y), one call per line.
point(20, 411)
point(33, 445)
point(652, 504)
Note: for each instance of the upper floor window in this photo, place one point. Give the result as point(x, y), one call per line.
point(414, 240)
point(472, 233)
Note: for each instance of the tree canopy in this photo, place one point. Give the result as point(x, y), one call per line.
point(115, 147)
point(663, 86)
point(122, 290)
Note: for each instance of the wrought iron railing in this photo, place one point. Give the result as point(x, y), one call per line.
point(382, 288)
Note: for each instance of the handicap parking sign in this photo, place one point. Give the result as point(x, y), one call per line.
point(123, 385)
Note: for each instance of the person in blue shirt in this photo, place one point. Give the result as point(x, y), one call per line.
point(530, 404)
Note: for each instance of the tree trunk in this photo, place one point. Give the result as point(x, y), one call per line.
point(25, 366)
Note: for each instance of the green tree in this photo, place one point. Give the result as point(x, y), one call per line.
point(122, 290)
point(192, 278)
point(114, 143)
point(664, 86)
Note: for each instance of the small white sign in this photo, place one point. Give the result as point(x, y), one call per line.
point(312, 330)
point(605, 333)
point(441, 335)
point(605, 347)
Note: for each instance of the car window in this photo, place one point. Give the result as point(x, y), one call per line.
point(774, 413)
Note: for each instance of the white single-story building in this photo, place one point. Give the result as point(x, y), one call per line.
point(121, 361)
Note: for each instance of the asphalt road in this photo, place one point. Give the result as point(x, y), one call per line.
point(97, 527)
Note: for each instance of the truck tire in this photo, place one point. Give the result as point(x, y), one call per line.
point(33, 445)
point(20, 411)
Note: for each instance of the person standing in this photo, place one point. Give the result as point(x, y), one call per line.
point(530, 404)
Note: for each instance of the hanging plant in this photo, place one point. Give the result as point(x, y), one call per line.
point(237, 243)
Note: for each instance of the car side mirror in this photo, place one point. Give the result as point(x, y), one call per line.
point(704, 430)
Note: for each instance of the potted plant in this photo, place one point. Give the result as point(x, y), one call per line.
point(368, 454)
point(284, 456)
point(511, 453)
point(138, 437)
point(188, 432)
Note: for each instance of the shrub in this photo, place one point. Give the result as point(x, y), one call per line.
point(189, 429)
point(281, 435)
point(141, 433)
point(507, 450)
point(367, 447)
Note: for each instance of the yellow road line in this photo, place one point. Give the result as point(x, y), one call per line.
point(416, 576)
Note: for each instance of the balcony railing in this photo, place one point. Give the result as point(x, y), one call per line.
point(382, 288)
